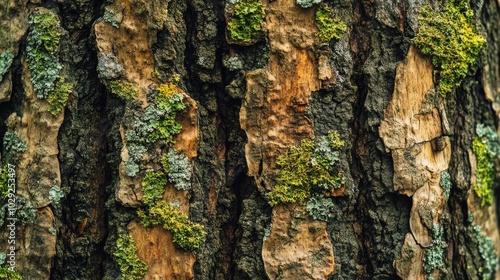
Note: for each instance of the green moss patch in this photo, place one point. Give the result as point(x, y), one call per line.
point(484, 172)
point(123, 90)
point(306, 169)
point(7, 274)
point(58, 98)
point(4, 182)
point(329, 27)
point(246, 21)
point(153, 187)
point(131, 266)
point(186, 234)
point(450, 37)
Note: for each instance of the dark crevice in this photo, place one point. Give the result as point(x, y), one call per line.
point(358, 131)
point(83, 147)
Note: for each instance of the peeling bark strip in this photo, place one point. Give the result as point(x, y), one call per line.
point(273, 116)
point(131, 43)
point(411, 121)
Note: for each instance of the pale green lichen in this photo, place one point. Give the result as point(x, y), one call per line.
point(131, 168)
point(490, 134)
point(157, 122)
point(178, 169)
point(6, 59)
point(42, 50)
point(25, 212)
point(307, 3)
point(487, 252)
point(433, 255)
point(319, 207)
point(131, 266)
point(450, 37)
point(12, 142)
point(111, 18)
point(56, 194)
point(445, 184)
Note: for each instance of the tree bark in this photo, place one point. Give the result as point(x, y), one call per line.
point(79, 185)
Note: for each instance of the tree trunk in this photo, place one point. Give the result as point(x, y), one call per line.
point(311, 140)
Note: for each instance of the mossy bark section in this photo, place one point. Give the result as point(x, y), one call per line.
point(368, 225)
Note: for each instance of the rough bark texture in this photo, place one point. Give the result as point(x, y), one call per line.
point(246, 103)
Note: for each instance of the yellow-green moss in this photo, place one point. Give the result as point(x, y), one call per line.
point(131, 266)
point(450, 37)
point(125, 91)
point(484, 172)
point(329, 27)
point(7, 274)
point(246, 21)
point(59, 97)
point(186, 234)
point(153, 187)
point(307, 168)
point(168, 102)
point(4, 182)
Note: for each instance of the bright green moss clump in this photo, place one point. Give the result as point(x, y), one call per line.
point(4, 182)
point(246, 22)
point(450, 37)
point(186, 234)
point(41, 51)
point(125, 91)
point(484, 172)
point(307, 168)
point(328, 27)
point(153, 187)
point(59, 97)
point(131, 267)
point(7, 274)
